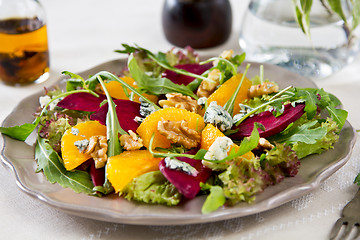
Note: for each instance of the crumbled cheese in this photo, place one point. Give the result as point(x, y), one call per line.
point(218, 116)
point(202, 101)
point(146, 108)
point(175, 164)
point(81, 145)
point(219, 149)
point(75, 131)
point(43, 100)
point(139, 119)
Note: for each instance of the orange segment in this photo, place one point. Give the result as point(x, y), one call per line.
point(122, 168)
point(149, 125)
point(71, 155)
point(116, 90)
point(225, 91)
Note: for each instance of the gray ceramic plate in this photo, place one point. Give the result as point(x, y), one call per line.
point(19, 157)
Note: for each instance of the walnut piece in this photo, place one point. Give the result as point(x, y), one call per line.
point(97, 149)
point(206, 88)
point(180, 101)
point(131, 141)
point(261, 89)
point(179, 132)
point(263, 144)
point(226, 54)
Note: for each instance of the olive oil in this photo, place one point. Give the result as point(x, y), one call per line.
point(24, 54)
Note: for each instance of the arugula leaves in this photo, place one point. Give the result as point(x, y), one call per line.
point(51, 164)
point(22, 132)
point(156, 85)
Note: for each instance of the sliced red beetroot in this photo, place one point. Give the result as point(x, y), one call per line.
point(126, 112)
point(182, 79)
point(97, 174)
point(82, 102)
point(187, 185)
point(272, 124)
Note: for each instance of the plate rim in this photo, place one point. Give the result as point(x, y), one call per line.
point(143, 219)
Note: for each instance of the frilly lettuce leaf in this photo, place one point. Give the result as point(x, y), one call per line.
point(303, 149)
point(152, 187)
point(241, 181)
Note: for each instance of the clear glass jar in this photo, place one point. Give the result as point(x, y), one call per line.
point(197, 23)
point(270, 33)
point(24, 54)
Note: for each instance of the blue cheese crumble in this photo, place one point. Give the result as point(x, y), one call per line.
point(81, 145)
point(218, 116)
point(43, 100)
point(217, 151)
point(175, 164)
point(146, 108)
point(202, 101)
point(75, 131)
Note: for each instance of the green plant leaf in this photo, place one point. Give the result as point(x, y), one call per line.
point(338, 115)
point(355, 13)
point(229, 105)
point(302, 10)
point(305, 133)
point(214, 200)
point(113, 127)
point(156, 86)
point(23, 131)
point(19, 132)
point(51, 164)
point(336, 6)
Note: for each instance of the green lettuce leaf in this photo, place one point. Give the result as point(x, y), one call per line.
point(152, 187)
point(306, 133)
point(214, 200)
point(241, 181)
point(304, 149)
point(51, 164)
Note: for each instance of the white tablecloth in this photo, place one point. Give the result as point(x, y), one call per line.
point(84, 33)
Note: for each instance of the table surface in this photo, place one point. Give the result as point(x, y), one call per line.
point(85, 33)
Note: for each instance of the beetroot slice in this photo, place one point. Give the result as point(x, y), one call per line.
point(187, 185)
point(97, 174)
point(182, 79)
point(82, 102)
point(126, 111)
point(272, 124)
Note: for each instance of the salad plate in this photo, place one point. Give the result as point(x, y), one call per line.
point(19, 157)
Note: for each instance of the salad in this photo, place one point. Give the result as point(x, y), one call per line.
point(170, 127)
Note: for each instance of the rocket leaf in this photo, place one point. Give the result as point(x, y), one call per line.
point(50, 163)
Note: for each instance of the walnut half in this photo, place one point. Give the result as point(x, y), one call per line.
point(261, 89)
point(180, 101)
point(263, 144)
point(206, 88)
point(179, 132)
point(131, 141)
point(97, 149)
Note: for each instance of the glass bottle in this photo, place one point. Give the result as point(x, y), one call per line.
point(270, 33)
point(197, 23)
point(24, 54)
